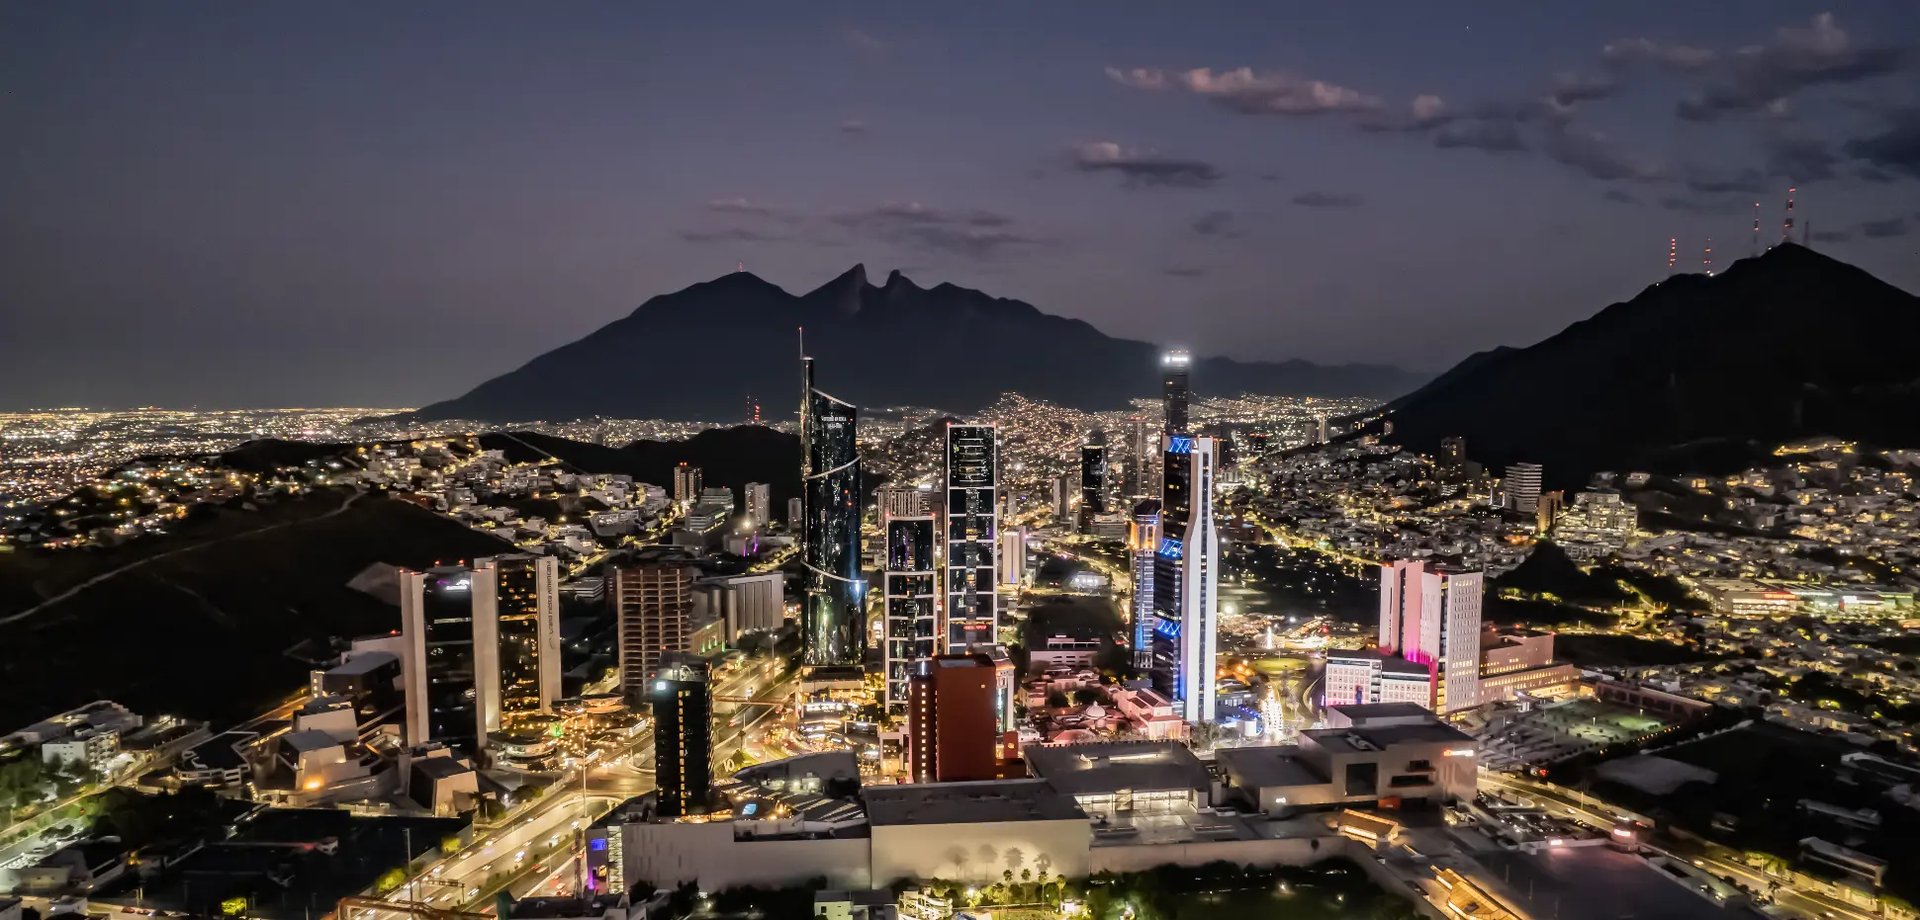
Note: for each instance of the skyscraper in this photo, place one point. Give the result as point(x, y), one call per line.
point(1430, 615)
point(653, 619)
point(522, 591)
point(952, 728)
point(1093, 482)
point(1521, 486)
point(1135, 483)
point(902, 501)
point(1174, 366)
point(912, 596)
point(1143, 540)
point(760, 504)
point(682, 738)
point(1186, 580)
point(686, 484)
point(833, 622)
point(972, 536)
point(1453, 452)
point(440, 668)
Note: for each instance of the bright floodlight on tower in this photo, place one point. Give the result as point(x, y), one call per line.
point(1176, 357)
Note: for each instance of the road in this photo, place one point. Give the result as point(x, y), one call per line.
point(537, 848)
point(1596, 813)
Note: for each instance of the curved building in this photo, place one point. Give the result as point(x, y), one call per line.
point(832, 618)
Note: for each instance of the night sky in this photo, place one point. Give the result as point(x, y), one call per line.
point(267, 204)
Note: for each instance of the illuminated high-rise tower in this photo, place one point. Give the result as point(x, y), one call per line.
point(1186, 575)
point(1143, 539)
point(441, 668)
point(972, 536)
point(1093, 482)
point(833, 620)
point(912, 596)
point(523, 593)
point(1174, 366)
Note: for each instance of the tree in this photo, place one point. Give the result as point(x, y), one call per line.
point(1057, 700)
point(389, 880)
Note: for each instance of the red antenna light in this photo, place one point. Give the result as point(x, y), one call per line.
point(1673, 253)
point(1706, 258)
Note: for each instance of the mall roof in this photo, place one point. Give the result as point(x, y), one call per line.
point(1081, 769)
point(1278, 765)
point(1362, 740)
point(969, 803)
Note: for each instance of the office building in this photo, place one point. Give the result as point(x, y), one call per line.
point(912, 597)
point(653, 619)
point(972, 536)
point(760, 505)
point(1066, 488)
point(1453, 452)
point(1174, 392)
point(1321, 432)
point(1136, 482)
point(441, 666)
point(752, 602)
point(1186, 580)
point(833, 621)
point(795, 512)
point(902, 501)
point(522, 592)
point(1093, 483)
point(1430, 616)
point(1013, 556)
point(1368, 676)
point(686, 484)
point(1598, 523)
point(1143, 540)
point(952, 726)
point(1521, 487)
point(682, 738)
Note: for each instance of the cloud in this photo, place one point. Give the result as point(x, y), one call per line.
point(1493, 135)
point(973, 233)
point(747, 207)
point(1327, 200)
point(1884, 229)
point(1831, 236)
point(1696, 205)
point(1874, 175)
point(1184, 271)
point(1426, 112)
point(1140, 168)
point(1678, 58)
point(1570, 89)
point(1215, 223)
point(1596, 155)
point(729, 235)
point(1714, 182)
point(1800, 159)
point(1798, 57)
point(1896, 149)
point(853, 126)
point(864, 41)
point(1244, 91)
point(1620, 197)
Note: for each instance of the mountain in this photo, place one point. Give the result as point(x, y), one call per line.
point(1696, 374)
point(702, 352)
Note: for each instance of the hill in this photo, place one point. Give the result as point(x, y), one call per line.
point(730, 457)
point(702, 352)
point(1696, 373)
point(196, 623)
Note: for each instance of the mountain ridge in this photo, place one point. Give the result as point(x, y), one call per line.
point(1696, 373)
point(703, 351)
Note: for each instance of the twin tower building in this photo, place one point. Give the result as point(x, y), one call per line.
point(944, 555)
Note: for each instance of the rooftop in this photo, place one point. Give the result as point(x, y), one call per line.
point(1079, 769)
point(1360, 713)
point(969, 803)
point(1268, 766)
point(1360, 740)
point(364, 663)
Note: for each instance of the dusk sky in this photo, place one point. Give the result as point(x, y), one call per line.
point(276, 204)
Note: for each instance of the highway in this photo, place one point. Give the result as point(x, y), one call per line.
point(1579, 806)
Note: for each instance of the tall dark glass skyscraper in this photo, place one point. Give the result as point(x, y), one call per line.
point(833, 617)
point(1093, 480)
point(1174, 366)
point(913, 594)
point(973, 529)
point(440, 669)
point(682, 738)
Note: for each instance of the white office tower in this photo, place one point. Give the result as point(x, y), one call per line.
point(760, 504)
point(523, 678)
point(1186, 580)
point(1430, 615)
point(1521, 486)
point(686, 485)
point(1013, 557)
